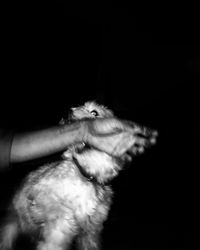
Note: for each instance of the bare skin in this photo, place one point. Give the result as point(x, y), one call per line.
point(103, 134)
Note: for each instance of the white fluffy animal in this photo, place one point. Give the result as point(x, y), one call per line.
point(68, 201)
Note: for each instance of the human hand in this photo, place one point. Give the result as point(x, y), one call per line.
point(117, 137)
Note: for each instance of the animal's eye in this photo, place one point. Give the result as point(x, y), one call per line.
point(94, 113)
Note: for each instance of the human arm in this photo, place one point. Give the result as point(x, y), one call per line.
point(41, 143)
point(100, 133)
point(110, 135)
point(6, 137)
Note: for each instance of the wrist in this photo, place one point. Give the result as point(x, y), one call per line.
point(74, 132)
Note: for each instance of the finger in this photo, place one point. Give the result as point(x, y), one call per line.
point(107, 126)
point(125, 142)
point(140, 130)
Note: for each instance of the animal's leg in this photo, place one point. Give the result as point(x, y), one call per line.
point(90, 237)
point(56, 237)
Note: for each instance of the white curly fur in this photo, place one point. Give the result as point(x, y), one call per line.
point(68, 200)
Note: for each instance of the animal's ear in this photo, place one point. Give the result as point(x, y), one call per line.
point(109, 113)
point(92, 102)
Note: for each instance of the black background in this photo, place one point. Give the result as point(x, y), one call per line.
point(143, 65)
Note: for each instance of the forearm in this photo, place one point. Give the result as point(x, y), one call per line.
point(32, 145)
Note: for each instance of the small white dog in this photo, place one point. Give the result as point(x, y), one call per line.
point(69, 200)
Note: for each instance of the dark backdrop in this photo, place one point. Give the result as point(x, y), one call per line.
point(143, 66)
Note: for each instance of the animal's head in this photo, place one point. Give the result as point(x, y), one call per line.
point(90, 110)
point(103, 167)
point(134, 141)
point(99, 165)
